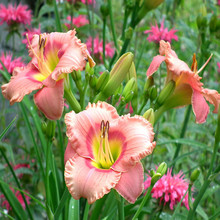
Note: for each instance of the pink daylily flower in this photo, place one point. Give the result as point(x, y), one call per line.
point(53, 56)
point(104, 152)
point(188, 89)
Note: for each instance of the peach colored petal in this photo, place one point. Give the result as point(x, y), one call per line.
point(155, 64)
point(50, 100)
point(213, 97)
point(21, 84)
point(87, 123)
point(200, 107)
point(131, 184)
point(166, 48)
point(84, 180)
point(69, 152)
point(138, 143)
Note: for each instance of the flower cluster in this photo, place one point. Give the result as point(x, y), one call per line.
point(10, 63)
point(170, 189)
point(78, 21)
point(157, 34)
point(98, 47)
point(15, 14)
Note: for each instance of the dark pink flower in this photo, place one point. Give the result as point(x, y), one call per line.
point(218, 2)
point(98, 47)
point(19, 166)
point(170, 189)
point(218, 63)
point(15, 14)
point(78, 21)
point(6, 204)
point(30, 32)
point(156, 34)
point(10, 63)
point(83, 1)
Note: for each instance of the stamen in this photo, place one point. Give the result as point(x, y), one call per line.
point(204, 65)
point(194, 64)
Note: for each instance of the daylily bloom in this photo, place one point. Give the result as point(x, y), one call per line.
point(188, 88)
point(53, 56)
point(157, 34)
point(104, 152)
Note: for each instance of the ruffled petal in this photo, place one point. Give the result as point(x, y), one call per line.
point(138, 141)
point(213, 97)
point(83, 127)
point(131, 183)
point(200, 107)
point(157, 60)
point(84, 180)
point(69, 152)
point(50, 100)
point(22, 83)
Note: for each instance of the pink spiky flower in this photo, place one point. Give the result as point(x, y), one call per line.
point(10, 63)
point(83, 1)
point(18, 195)
point(170, 189)
point(30, 32)
point(218, 64)
point(15, 14)
point(98, 47)
point(78, 21)
point(104, 152)
point(157, 34)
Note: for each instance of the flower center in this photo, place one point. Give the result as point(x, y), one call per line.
point(104, 155)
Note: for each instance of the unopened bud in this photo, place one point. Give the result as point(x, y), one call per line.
point(213, 23)
point(130, 3)
point(102, 81)
point(89, 70)
point(162, 169)
point(130, 86)
point(128, 96)
point(129, 33)
point(118, 74)
point(104, 9)
point(131, 72)
point(44, 126)
point(195, 174)
point(152, 173)
point(92, 81)
point(155, 178)
point(166, 92)
point(149, 115)
point(50, 131)
point(76, 75)
point(153, 93)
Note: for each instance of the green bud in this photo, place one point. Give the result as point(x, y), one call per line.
point(44, 126)
point(166, 92)
point(92, 81)
point(89, 70)
point(132, 72)
point(149, 115)
point(129, 33)
point(153, 93)
point(118, 74)
point(130, 3)
point(130, 86)
point(195, 174)
point(50, 131)
point(152, 173)
point(119, 90)
point(162, 169)
point(128, 96)
point(102, 80)
point(104, 9)
point(155, 178)
point(149, 83)
point(213, 176)
point(201, 22)
point(213, 23)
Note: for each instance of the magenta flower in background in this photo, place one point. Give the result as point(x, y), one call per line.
point(98, 47)
point(19, 166)
point(78, 21)
point(31, 32)
point(83, 1)
point(218, 63)
point(156, 34)
point(170, 189)
point(218, 2)
point(10, 63)
point(6, 204)
point(15, 14)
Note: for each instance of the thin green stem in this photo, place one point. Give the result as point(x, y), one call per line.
point(142, 106)
point(60, 135)
point(125, 23)
point(72, 100)
point(112, 23)
point(86, 211)
point(103, 39)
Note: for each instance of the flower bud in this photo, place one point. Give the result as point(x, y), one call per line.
point(153, 93)
point(50, 131)
point(104, 9)
point(155, 178)
point(162, 169)
point(195, 174)
point(131, 72)
point(152, 173)
point(92, 81)
point(128, 96)
point(213, 23)
point(166, 92)
point(149, 115)
point(130, 3)
point(76, 75)
point(89, 70)
point(129, 33)
point(102, 81)
point(130, 86)
point(118, 74)
point(44, 126)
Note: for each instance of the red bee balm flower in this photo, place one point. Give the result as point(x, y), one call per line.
point(104, 152)
point(53, 56)
point(188, 88)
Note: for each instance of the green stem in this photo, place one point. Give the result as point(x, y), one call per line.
point(112, 23)
point(125, 23)
point(60, 135)
point(86, 211)
point(142, 106)
point(57, 17)
point(103, 39)
point(72, 100)
point(120, 201)
point(183, 131)
point(145, 199)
